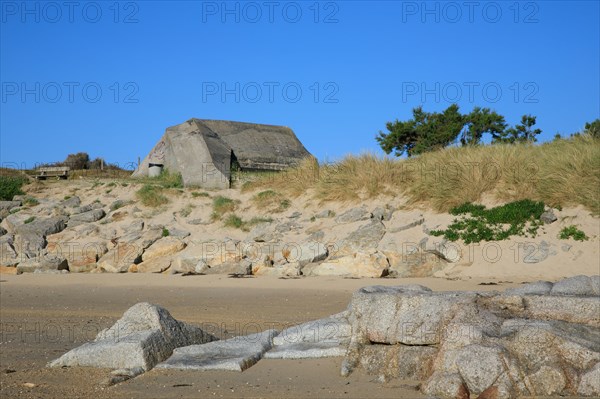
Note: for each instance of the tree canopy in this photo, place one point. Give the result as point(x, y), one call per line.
point(593, 128)
point(522, 132)
point(428, 131)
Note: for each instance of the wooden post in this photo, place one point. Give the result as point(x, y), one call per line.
point(101, 164)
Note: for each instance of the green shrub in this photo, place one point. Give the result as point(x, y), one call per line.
point(234, 220)
point(196, 194)
point(572, 232)
point(499, 223)
point(11, 186)
point(285, 204)
point(79, 160)
point(151, 196)
point(165, 232)
point(29, 219)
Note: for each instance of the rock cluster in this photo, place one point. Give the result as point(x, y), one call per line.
point(357, 243)
point(541, 339)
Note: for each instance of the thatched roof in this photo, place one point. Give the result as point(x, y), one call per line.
point(257, 146)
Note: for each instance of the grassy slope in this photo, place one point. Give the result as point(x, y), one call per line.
point(560, 173)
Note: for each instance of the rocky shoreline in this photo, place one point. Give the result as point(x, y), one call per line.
point(70, 235)
point(540, 339)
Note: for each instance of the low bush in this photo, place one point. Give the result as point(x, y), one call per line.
point(11, 186)
point(572, 232)
point(499, 223)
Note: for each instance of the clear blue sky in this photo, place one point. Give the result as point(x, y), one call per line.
point(357, 64)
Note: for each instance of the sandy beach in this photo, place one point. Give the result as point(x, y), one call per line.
point(43, 316)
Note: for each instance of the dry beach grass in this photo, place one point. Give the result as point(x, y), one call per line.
point(560, 173)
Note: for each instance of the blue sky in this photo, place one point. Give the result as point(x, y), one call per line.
point(108, 80)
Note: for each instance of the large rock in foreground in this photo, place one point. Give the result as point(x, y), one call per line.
point(146, 335)
point(538, 340)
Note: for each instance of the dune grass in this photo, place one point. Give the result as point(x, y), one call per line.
point(166, 179)
point(271, 201)
point(221, 206)
point(151, 195)
point(559, 173)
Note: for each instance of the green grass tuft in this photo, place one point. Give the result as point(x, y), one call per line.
point(271, 200)
point(29, 219)
point(170, 180)
point(151, 196)
point(222, 205)
point(186, 210)
point(30, 201)
point(197, 194)
point(233, 220)
point(237, 222)
point(572, 232)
